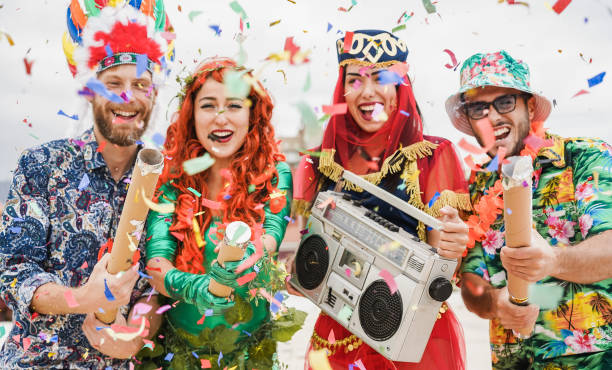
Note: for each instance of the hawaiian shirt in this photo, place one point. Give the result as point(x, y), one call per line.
point(572, 201)
point(62, 206)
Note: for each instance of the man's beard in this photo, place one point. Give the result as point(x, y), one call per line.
point(110, 132)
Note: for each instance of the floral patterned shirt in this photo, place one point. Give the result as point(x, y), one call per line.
point(572, 201)
point(62, 206)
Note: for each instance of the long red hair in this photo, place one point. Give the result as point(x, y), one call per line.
point(253, 164)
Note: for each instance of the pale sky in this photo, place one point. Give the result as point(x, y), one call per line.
point(549, 43)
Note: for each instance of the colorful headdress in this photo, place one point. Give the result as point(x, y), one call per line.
point(369, 47)
point(493, 69)
point(106, 33)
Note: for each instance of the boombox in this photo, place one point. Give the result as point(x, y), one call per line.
point(350, 260)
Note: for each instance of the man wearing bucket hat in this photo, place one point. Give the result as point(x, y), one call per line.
point(67, 196)
point(570, 252)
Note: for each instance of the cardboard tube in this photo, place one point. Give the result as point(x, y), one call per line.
point(518, 220)
point(231, 250)
point(148, 167)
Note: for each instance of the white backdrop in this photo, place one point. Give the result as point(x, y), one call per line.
point(550, 43)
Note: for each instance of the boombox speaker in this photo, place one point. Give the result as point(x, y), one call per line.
point(344, 258)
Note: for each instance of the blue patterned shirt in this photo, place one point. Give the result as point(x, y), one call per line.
point(62, 206)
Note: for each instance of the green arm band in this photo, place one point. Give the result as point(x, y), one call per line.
point(160, 242)
point(275, 224)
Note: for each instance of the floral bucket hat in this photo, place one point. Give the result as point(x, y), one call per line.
point(493, 69)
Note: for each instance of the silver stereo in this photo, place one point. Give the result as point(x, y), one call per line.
point(338, 267)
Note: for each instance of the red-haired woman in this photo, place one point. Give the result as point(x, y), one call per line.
point(381, 138)
point(248, 182)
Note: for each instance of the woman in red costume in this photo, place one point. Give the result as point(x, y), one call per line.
point(380, 137)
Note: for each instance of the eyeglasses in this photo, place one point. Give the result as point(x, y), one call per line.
point(502, 104)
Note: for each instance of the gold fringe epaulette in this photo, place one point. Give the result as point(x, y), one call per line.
point(300, 207)
point(365, 63)
point(393, 164)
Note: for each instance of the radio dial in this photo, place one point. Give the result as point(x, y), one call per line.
point(440, 289)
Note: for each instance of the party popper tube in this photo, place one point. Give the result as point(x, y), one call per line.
point(148, 167)
point(516, 182)
point(233, 246)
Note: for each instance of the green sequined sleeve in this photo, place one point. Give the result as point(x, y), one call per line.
point(160, 242)
point(275, 224)
point(591, 160)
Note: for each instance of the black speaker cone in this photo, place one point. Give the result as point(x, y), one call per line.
point(380, 311)
point(311, 262)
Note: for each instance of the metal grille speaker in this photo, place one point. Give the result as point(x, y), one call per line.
point(380, 312)
point(311, 262)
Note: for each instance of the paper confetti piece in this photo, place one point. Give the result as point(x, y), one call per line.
point(163, 309)
point(596, 80)
point(327, 202)
point(493, 165)
point(560, 5)
point(84, 182)
point(335, 109)
point(15, 229)
point(433, 199)
point(201, 320)
point(126, 333)
point(197, 165)
point(453, 59)
point(193, 14)
point(547, 296)
point(142, 60)
point(98, 87)
point(246, 278)
point(274, 23)
point(470, 148)
point(216, 28)
point(141, 309)
point(398, 28)
point(205, 364)
point(360, 365)
point(28, 66)
point(195, 192)
point(109, 295)
point(348, 41)
point(2, 331)
point(581, 92)
point(211, 204)
point(405, 113)
point(331, 338)
point(501, 154)
point(386, 275)
point(486, 133)
point(345, 314)
point(157, 207)
point(318, 360)
point(389, 77)
point(208, 312)
point(169, 356)
point(101, 147)
point(74, 117)
point(429, 6)
point(70, 299)
point(239, 10)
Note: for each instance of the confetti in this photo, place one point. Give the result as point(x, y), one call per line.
point(211, 204)
point(486, 134)
point(74, 117)
point(126, 333)
point(101, 147)
point(433, 199)
point(216, 28)
point(547, 296)
point(453, 59)
point(239, 10)
point(193, 14)
point(195, 192)
point(144, 276)
point(158, 139)
point(596, 80)
point(205, 364)
point(335, 109)
point(581, 92)
point(429, 6)
point(28, 66)
point(348, 41)
point(197, 165)
point(141, 309)
point(470, 148)
point(157, 207)
point(246, 278)
point(560, 5)
point(208, 312)
point(389, 77)
point(169, 36)
point(219, 359)
point(98, 87)
point(163, 309)
point(398, 28)
point(84, 182)
point(15, 229)
point(142, 60)
point(26, 343)
point(2, 331)
point(70, 299)
point(289, 219)
point(493, 165)
point(274, 23)
point(109, 295)
point(386, 275)
point(508, 211)
point(201, 320)
point(169, 356)
point(276, 302)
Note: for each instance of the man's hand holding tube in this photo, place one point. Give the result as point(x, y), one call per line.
point(531, 263)
point(510, 315)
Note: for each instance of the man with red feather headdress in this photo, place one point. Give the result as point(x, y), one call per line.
point(67, 196)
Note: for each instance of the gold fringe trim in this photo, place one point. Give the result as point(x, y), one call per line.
point(459, 201)
point(300, 207)
point(393, 164)
point(366, 63)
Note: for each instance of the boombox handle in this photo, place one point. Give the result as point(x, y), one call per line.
point(392, 200)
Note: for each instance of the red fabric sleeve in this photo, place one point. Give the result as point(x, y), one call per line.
point(305, 180)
